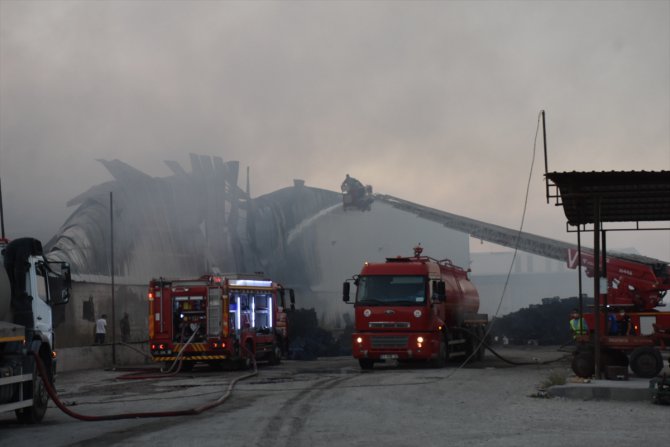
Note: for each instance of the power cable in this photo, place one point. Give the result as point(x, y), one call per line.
point(481, 343)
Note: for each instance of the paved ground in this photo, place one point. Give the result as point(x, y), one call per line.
point(330, 402)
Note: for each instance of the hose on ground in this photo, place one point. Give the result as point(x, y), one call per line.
point(149, 414)
point(482, 342)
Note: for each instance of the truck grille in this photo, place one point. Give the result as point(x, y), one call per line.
point(389, 342)
point(389, 324)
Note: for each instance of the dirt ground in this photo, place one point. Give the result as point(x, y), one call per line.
point(331, 402)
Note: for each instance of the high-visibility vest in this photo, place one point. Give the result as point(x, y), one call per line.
point(575, 326)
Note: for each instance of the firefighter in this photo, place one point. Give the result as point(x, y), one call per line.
point(613, 325)
point(346, 184)
point(625, 326)
point(351, 185)
point(355, 190)
point(577, 325)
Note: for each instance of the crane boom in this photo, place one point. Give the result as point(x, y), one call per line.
point(530, 243)
point(634, 280)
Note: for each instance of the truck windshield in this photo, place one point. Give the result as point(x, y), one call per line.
point(396, 290)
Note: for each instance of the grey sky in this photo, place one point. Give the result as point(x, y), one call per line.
point(435, 102)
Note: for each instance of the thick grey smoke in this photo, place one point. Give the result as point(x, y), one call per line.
point(435, 102)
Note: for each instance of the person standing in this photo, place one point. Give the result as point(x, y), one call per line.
point(125, 328)
point(101, 329)
point(577, 325)
point(625, 326)
point(612, 324)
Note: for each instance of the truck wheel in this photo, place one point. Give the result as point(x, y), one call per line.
point(275, 355)
point(249, 355)
point(481, 333)
point(366, 364)
point(613, 357)
point(34, 414)
point(583, 363)
point(186, 366)
point(441, 359)
point(646, 362)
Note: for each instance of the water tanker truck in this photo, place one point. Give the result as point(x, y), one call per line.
point(415, 309)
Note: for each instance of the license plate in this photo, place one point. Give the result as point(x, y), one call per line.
point(388, 356)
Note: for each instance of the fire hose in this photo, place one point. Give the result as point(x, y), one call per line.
point(149, 414)
point(178, 361)
point(482, 343)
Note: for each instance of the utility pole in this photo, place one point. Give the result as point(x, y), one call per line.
point(111, 251)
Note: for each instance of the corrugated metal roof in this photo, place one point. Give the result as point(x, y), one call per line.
point(624, 196)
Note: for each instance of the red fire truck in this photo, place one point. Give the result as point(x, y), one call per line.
point(415, 308)
point(218, 320)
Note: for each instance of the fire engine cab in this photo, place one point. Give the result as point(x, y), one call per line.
point(218, 320)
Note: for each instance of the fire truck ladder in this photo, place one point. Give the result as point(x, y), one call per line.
point(507, 237)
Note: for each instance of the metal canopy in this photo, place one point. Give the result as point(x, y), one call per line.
point(633, 196)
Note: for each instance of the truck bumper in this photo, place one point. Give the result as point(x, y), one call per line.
point(166, 351)
point(192, 356)
point(390, 346)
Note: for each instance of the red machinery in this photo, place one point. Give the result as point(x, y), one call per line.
point(638, 286)
point(415, 308)
point(636, 282)
point(218, 319)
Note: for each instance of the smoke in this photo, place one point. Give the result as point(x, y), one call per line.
point(435, 102)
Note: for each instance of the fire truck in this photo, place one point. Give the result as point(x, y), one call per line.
point(218, 319)
point(415, 308)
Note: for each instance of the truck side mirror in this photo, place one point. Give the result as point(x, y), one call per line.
point(60, 283)
point(291, 295)
point(282, 297)
point(439, 291)
point(345, 291)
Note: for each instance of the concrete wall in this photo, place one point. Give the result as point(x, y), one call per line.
point(75, 321)
point(102, 356)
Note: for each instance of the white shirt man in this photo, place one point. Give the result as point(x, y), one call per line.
point(100, 329)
